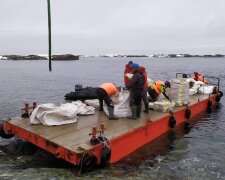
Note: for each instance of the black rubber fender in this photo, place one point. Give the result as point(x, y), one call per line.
point(209, 106)
point(3, 134)
point(172, 121)
point(217, 98)
point(187, 113)
point(219, 95)
point(105, 156)
point(88, 163)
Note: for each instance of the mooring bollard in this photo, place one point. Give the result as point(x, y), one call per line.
point(102, 127)
point(34, 105)
point(25, 111)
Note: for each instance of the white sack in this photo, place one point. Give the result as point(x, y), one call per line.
point(196, 86)
point(83, 109)
point(199, 82)
point(50, 114)
point(92, 102)
point(122, 108)
point(190, 80)
point(115, 98)
point(129, 75)
point(150, 81)
point(162, 106)
point(192, 91)
point(206, 89)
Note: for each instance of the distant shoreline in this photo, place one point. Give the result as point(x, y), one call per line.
point(63, 57)
point(159, 56)
point(71, 57)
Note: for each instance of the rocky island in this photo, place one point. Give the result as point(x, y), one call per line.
point(62, 57)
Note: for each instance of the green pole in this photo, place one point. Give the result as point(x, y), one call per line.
point(49, 36)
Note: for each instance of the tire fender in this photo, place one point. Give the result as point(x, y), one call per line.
point(88, 163)
point(105, 156)
point(3, 134)
point(172, 121)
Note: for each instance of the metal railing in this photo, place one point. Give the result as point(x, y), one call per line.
point(183, 75)
point(211, 80)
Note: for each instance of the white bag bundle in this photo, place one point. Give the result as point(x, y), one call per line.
point(196, 86)
point(50, 114)
point(122, 107)
point(179, 92)
point(92, 102)
point(83, 109)
point(129, 75)
point(206, 89)
point(162, 106)
point(150, 81)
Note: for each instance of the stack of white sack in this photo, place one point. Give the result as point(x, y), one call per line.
point(50, 114)
point(206, 89)
point(179, 91)
point(196, 85)
point(121, 104)
point(162, 106)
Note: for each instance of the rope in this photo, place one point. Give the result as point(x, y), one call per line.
point(104, 142)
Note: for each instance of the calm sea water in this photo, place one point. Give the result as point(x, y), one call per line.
point(196, 154)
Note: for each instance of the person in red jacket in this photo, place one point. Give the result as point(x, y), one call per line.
point(104, 91)
point(145, 89)
point(128, 69)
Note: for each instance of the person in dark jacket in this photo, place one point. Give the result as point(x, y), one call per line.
point(145, 89)
point(104, 91)
point(136, 86)
point(128, 70)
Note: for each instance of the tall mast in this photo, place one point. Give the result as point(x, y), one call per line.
point(49, 36)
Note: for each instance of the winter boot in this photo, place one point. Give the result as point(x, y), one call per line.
point(100, 105)
point(134, 113)
point(146, 108)
point(138, 113)
point(111, 113)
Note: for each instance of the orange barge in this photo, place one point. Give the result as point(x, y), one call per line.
point(95, 140)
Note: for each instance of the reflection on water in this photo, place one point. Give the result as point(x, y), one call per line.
point(185, 153)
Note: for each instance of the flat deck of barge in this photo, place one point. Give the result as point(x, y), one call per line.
point(70, 141)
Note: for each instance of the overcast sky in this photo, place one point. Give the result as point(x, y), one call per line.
point(91, 27)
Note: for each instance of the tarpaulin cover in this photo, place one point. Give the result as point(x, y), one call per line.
point(50, 114)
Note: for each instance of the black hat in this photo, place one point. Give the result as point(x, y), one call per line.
point(167, 84)
point(130, 62)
